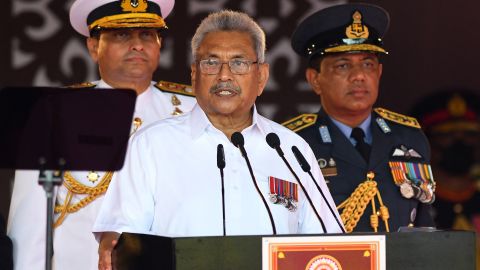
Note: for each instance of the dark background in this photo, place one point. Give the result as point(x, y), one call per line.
point(433, 44)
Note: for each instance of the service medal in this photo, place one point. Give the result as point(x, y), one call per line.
point(406, 190)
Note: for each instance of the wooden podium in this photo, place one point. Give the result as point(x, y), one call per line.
point(404, 250)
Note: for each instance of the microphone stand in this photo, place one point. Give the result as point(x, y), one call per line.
point(306, 168)
point(221, 166)
point(48, 180)
point(238, 141)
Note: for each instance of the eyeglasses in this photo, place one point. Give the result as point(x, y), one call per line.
point(212, 66)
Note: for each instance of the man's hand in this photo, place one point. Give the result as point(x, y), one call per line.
point(108, 240)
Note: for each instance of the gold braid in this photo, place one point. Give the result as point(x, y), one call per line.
point(354, 206)
point(74, 187)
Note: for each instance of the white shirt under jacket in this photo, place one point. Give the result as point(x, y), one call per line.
point(74, 245)
point(170, 184)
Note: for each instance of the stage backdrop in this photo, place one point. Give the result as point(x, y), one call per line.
point(433, 44)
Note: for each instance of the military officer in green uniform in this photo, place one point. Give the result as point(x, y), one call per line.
point(376, 161)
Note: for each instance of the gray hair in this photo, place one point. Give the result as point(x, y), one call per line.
point(228, 20)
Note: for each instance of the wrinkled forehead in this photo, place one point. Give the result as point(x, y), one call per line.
point(226, 44)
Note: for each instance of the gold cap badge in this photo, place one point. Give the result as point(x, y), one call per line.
point(134, 5)
point(357, 29)
point(457, 106)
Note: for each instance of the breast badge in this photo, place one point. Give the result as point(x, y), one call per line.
point(403, 152)
point(328, 168)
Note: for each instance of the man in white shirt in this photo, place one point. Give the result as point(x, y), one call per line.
point(123, 38)
point(170, 184)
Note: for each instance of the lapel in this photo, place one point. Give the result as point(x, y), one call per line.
point(341, 147)
point(381, 144)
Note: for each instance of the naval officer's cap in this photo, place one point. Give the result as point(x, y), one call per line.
point(87, 16)
point(340, 29)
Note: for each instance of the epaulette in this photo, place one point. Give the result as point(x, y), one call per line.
point(176, 88)
point(397, 118)
point(300, 122)
point(82, 85)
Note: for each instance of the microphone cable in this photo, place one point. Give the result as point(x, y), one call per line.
point(274, 142)
point(238, 141)
point(306, 168)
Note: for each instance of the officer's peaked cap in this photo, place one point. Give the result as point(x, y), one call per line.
point(342, 28)
point(90, 15)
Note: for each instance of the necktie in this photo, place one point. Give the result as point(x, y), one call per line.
point(361, 146)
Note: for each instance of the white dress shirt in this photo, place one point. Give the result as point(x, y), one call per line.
point(170, 184)
point(74, 245)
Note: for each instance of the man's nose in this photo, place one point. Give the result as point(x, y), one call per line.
point(224, 73)
point(136, 42)
point(357, 73)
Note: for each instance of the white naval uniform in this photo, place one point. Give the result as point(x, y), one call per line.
point(74, 244)
point(170, 184)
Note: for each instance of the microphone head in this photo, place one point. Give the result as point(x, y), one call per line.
point(301, 159)
point(237, 139)
point(220, 157)
point(273, 140)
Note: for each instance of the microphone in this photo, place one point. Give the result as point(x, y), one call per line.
point(221, 166)
point(274, 142)
point(238, 141)
point(306, 168)
point(220, 158)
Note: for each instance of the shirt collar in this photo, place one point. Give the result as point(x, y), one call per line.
point(199, 122)
point(346, 130)
point(103, 84)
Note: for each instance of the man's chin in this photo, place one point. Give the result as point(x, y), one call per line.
point(137, 73)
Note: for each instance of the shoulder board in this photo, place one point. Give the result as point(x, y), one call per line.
point(82, 85)
point(300, 122)
point(176, 88)
point(397, 118)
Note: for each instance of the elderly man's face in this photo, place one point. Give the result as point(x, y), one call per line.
point(347, 83)
point(226, 93)
point(125, 54)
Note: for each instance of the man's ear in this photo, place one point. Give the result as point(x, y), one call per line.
point(193, 74)
point(264, 74)
point(92, 45)
point(312, 79)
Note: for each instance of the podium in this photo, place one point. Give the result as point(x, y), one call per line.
point(57, 129)
point(405, 250)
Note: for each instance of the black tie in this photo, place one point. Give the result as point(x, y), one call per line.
point(361, 146)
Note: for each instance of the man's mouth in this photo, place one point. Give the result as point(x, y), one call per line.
point(225, 92)
point(225, 89)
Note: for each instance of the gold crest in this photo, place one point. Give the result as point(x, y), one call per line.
point(134, 5)
point(357, 29)
point(457, 106)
